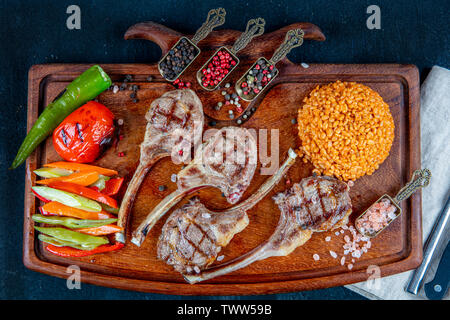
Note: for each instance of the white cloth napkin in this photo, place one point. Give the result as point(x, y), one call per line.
point(435, 150)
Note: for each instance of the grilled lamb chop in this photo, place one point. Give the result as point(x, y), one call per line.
point(315, 204)
point(226, 161)
point(172, 120)
point(193, 236)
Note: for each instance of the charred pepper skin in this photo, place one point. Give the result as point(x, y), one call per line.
point(86, 87)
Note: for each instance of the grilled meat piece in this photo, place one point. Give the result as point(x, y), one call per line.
point(193, 236)
point(227, 160)
point(315, 204)
point(174, 123)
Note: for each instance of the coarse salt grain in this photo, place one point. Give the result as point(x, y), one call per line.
point(220, 258)
point(333, 254)
point(350, 266)
point(316, 257)
point(197, 269)
point(327, 239)
point(206, 215)
point(173, 178)
point(342, 261)
point(305, 65)
point(115, 89)
point(337, 233)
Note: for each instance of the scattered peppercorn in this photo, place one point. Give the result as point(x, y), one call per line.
point(179, 84)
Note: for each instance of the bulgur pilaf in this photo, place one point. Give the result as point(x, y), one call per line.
point(345, 129)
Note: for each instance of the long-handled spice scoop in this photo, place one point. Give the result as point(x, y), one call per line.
point(263, 71)
point(224, 60)
point(184, 52)
point(386, 209)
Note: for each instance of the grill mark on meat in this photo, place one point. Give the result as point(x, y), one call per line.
point(170, 117)
point(197, 248)
point(305, 201)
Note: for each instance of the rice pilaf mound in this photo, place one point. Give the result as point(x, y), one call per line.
point(345, 129)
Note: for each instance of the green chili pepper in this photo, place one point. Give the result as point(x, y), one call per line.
point(62, 243)
point(72, 223)
point(75, 238)
point(86, 87)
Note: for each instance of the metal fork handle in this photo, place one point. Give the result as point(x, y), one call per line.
point(430, 247)
point(255, 27)
point(293, 39)
point(216, 17)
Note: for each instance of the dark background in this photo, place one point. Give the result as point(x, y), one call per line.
point(34, 32)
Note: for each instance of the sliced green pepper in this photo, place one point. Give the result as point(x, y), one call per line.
point(86, 87)
point(62, 243)
point(110, 209)
point(52, 172)
point(62, 235)
point(100, 184)
point(67, 198)
point(72, 223)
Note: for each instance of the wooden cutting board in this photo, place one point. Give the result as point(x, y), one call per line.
point(397, 249)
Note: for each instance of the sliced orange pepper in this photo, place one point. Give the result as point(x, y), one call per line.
point(73, 166)
point(84, 191)
point(101, 231)
point(59, 209)
point(83, 178)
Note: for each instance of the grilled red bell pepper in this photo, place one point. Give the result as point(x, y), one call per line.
point(72, 252)
point(84, 191)
point(85, 133)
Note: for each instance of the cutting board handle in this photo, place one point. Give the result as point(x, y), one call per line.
point(165, 37)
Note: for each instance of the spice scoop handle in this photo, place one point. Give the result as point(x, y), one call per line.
point(421, 178)
point(293, 39)
point(216, 17)
point(255, 27)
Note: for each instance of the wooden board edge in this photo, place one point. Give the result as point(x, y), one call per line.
point(32, 261)
point(216, 289)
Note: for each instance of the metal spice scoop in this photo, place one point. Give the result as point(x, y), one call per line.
point(216, 17)
point(420, 179)
point(255, 27)
point(263, 71)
